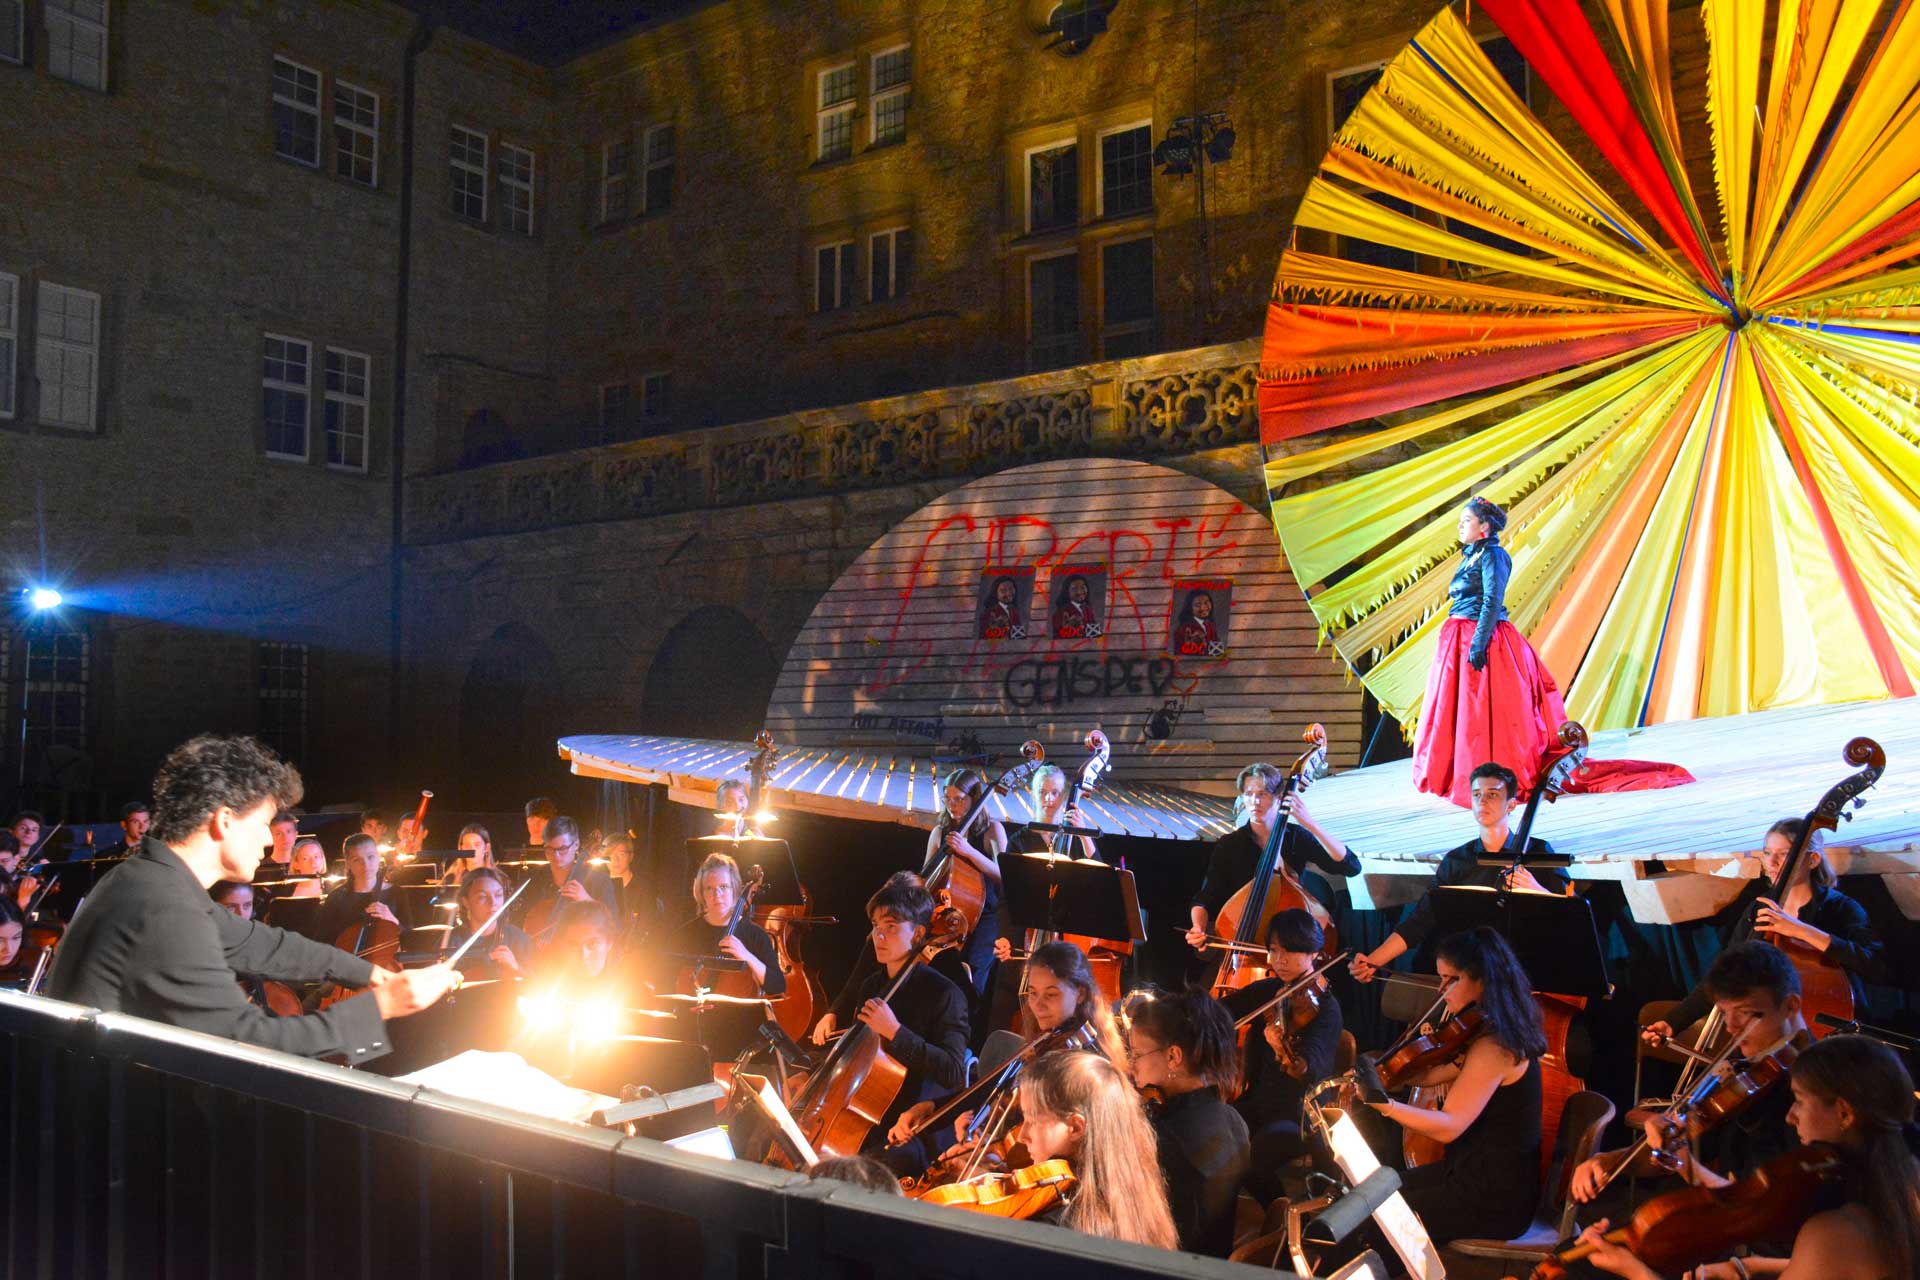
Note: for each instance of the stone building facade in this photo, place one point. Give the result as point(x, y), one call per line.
point(286, 289)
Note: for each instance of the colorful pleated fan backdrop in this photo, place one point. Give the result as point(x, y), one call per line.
point(1668, 320)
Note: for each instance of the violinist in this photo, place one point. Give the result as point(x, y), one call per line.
point(1815, 914)
point(476, 850)
point(17, 957)
point(1494, 790)
point(1757, 992)
point(279, 860)
point(1271, 1101)
point(963, 789)
point(862, 1171)
point(17, 883)
point(1855, 1094)
point(505, 951)
point(365, 896)
point(1236, 855)
point(309, 867)
point(1080, 1108)
point(564, 882)
point(148, 940)
point(26, 827)
point(1182, 1046)
point(1490, 1123)
point(924, 1025)
point(135, 817)
point(716, 892)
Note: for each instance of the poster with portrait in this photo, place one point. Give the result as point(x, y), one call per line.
point(1004, 603)
point(1199, 617)
point(1078, 600)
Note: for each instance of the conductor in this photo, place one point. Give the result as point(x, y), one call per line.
point(149, 941)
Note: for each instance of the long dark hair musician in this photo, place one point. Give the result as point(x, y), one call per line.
point(1866, 1094)
point(1506, 1003)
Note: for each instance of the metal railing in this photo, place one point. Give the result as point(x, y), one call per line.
point(137, 1150)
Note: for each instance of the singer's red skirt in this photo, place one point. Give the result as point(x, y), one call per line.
point(1511, 713)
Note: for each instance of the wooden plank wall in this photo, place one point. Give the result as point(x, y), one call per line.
point(892, 657)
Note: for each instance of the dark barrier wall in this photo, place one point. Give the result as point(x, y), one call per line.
point(135, 1150)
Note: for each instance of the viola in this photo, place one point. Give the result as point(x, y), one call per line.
point(955, 882)
point(1273, 888)
point(1695, 1225)
point(1017, 1193)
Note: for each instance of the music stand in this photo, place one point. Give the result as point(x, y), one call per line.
point(1071, 895)
point(1554, 936)
point(295, 915)
point(781, 888)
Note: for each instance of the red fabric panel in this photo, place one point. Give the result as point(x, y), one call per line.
point(1297, 407)
point(1887, 234)
point(1310, 334)
point(1557, 41)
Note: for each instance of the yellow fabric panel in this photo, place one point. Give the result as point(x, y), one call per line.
point(1334, 280)
point(1641, 26)
point(1733, 85)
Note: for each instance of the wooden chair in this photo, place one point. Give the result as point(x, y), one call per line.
point(1583, 1119)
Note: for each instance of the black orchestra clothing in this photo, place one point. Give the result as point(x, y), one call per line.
point(344, 909)
point(1739, 1145)
point(1203, 1153)
point(1855, 947)
point(478, 963)
point(121, 849)
point(947, 964)
point(1236, 856)
point(698, 938)
point(150, 942)
point(1462, 866)
point(1487, 1184)
point(542, 888)
point(1270, 1102)
point(269, 871)
point(931, 1044)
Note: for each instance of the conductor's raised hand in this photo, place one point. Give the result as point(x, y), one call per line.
point(404, 991)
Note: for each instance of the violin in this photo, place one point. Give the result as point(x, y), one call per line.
point(1294, 1008)
point(1273, 888)
point(953, 881)
point(1017, 1193)
point(1430, 1046)
point(1695, 1225)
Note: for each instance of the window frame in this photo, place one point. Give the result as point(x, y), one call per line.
point(306, 391)
point(875, 94)
point(364, 400)
point(896, 287)
point(92, 425)
point(48, 11)
point(10, 333)
point(848, 106)
point(608, 178)
point(19, 33)
point(841, 303)
point(608, 422)
point(649, 166)
point(272, 655)
point(1026, 183)
point(483, 172)
point(277, 99)
point(1130, 327)
point(354, 127)
point(1080, 329)
point(650, 416)
point(510, 186)
point(1100, 178)
point(49, 689)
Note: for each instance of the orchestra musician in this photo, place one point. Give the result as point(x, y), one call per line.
point(732, 798)
point(410, 837)
point(17, 958)
point(308, 865)
point(564, 882)
point(1494, 790)
point(17, 885)
point(1815, 914)
point(584, 946)
point(149, 941)
point(1854, 1093)
point(1490, 1123)
point(26, 827)
point(374, 825)
point(1080, 1108)
point(476, 848)
point(365, 896)
point(539, 812)
point(1270, 1101)
point(238, 898)
point(1182, 1045)
point(1236, 855)
point(135, 817)
point(962, 789)
point(947, 964)
point(924, 1024)
point(506, 951)
point(716, 890)
point(279, 860)
point(861, 1171)
point(1757, 991)
point(629, 894)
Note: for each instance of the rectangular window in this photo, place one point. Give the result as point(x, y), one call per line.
point(892, 90)
point(1053, 310)
point(467, 173)
point(77, 41)
point(356, 134)
point(889, 255)
point(616, 161)
point(616, 406)
point(296, 112)
point(1126, 171)
point(285, 385)
point(516, 188)
point(1126, 299)
point(13, 30)
point(656, 183)
point(67, 355)
point(283, 699)
point(833, 276)
point(833, 129)
point(57, 667)
point(345, 409)
point(9, 340)
point(656, 397)
point(1053, 187)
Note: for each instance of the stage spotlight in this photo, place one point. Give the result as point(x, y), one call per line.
point(44, 598)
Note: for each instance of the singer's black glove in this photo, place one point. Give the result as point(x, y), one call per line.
point(1477, 659)
point(1367, 1072)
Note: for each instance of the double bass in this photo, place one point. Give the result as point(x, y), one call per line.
point(786, 923)
point(955, 882)
point(1273, 888)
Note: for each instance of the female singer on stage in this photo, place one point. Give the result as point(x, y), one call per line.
point(476, 842)
point(1489, 696)
point(963, 788)
point(1490, 1123)
point(509, 952)
point(1080, 1108)
point(1856, 1094)
point(1183, 1046)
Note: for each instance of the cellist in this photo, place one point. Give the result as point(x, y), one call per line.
point(962, 790)
point(564, 882)
point(365, 896)
point(1236, 855)
point(716, 891)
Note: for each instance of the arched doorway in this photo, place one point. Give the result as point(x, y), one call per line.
point(711, 678)
point(506, 737)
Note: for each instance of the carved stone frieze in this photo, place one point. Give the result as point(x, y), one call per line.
point(1191, 409)
point(646, 484)
point(1031, 428)
point(759, 470)
point(882, 451)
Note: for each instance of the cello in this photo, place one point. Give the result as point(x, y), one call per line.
point(699, 979)
point(373, 940)
point(785, 923)
point(1273, 889)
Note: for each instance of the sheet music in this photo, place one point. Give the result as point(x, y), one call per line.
point(1396, 1218)
point(506, 1080)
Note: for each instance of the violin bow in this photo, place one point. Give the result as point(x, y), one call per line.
point(479, 933)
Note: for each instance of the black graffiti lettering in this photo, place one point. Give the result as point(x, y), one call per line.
point(1034, 683)
point(1160, 672)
